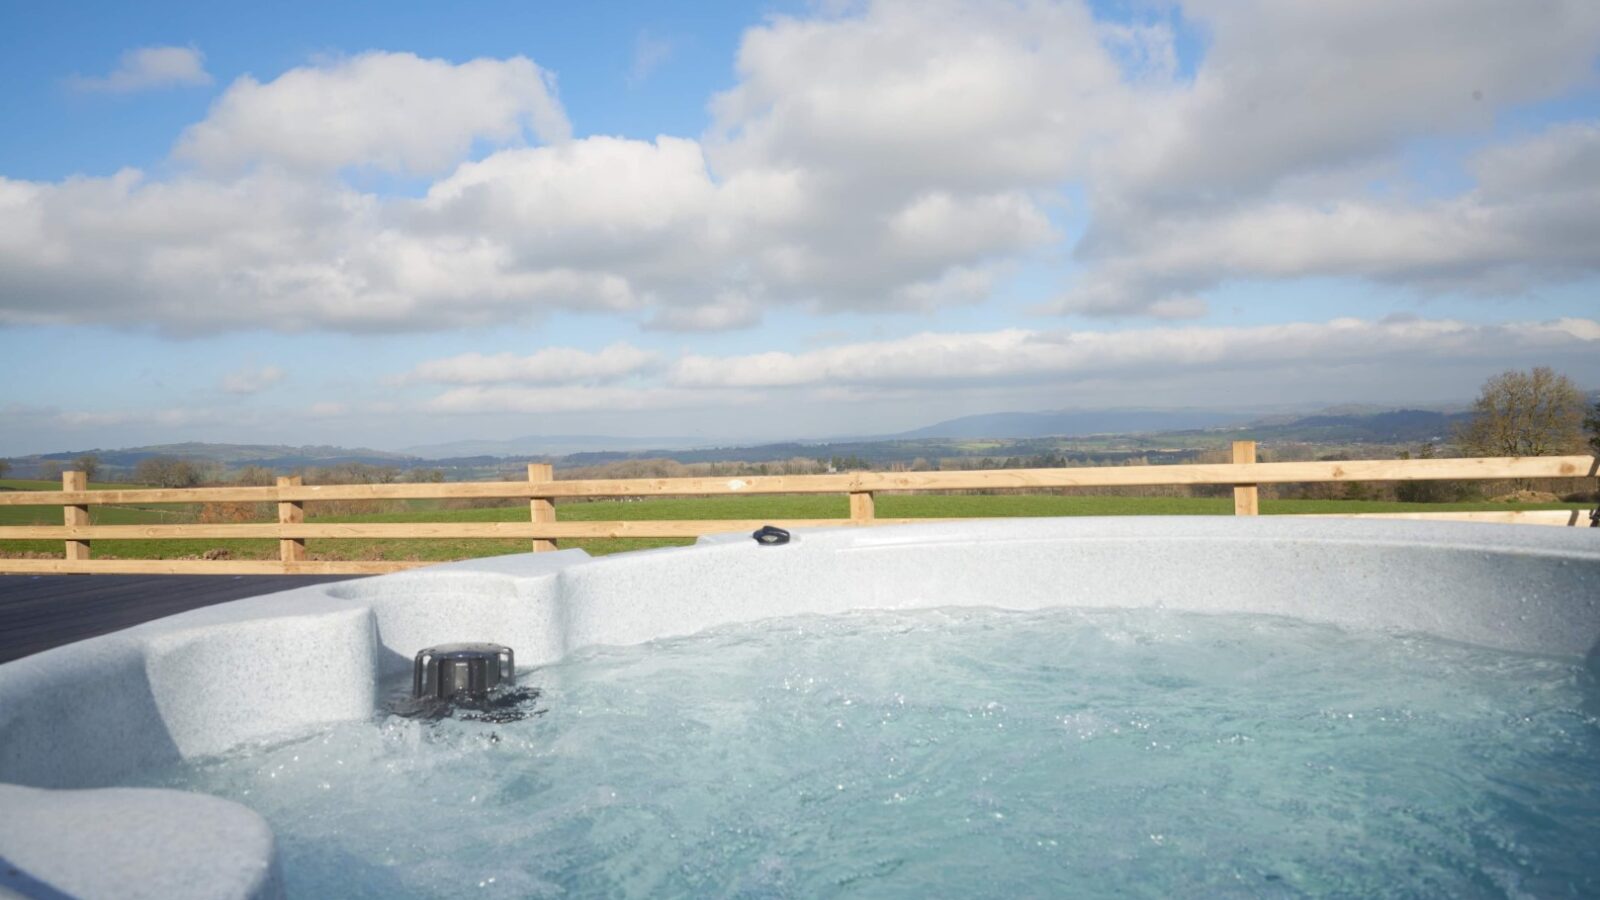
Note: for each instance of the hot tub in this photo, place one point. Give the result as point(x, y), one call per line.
point(83, 727)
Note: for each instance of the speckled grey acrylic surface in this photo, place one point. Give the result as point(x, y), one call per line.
point(85, 715)
point(133, 844)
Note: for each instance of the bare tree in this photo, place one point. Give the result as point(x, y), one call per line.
point(167, 472)
point(88, 464)
point(5, 467)
point(1535, 413)
point(1591, 424)
point(353, 473)
point(255, 476)
point(50, 471)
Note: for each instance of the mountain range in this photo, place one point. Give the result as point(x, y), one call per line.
point(546, 445)
point(1076, 422)
point(1104, 433)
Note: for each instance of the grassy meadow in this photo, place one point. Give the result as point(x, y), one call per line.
point(796, 506)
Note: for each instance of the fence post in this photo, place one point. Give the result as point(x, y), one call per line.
point(291, 513)
point(862, 508)
point(541, 509)
point(1246, 501)
point(75, 515)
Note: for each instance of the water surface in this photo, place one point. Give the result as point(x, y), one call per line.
point(965, 752)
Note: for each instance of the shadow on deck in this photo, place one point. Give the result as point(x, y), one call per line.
point(38, 612)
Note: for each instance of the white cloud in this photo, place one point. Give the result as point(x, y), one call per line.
point(878, 160)
point(551, 365)
point(649, 54)
point(148, 68)
point(1292, 85)
point(1243, 164)
point(1014, 355)
point(478, 399)
point(1529, 221)
point(900, 156)
point(729, 311)
point(171, 417)
point(1561, 159)
point(188, 254)
point(252, 380)
point(873, 387)
point(970, 96)
point(391, 111)
point(1099, 368)
point(264, 250)
point(597, 202)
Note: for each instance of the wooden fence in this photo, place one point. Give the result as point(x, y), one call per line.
point(543, 529)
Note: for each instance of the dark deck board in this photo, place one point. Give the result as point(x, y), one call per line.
point(38, 612)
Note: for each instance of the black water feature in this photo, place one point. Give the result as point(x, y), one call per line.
point(469, 681)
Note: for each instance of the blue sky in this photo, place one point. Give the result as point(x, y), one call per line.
point(398, 224)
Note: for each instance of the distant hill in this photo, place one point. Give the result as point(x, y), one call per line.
point(546, 445)
point(1046, 438)
point(1400, 426)
point(232, 456)
point(1075, 423)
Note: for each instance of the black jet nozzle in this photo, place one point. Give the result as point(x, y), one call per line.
point(461, 670)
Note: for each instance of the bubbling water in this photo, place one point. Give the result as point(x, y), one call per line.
point(964, 752)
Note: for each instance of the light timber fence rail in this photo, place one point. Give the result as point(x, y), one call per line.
point(541, 489)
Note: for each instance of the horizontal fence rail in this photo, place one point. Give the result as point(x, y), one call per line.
point(1476, 469)
point(541, 490)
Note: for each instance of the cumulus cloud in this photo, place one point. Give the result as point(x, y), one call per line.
point(976, 96)
point(252, 380)
point(1290, 86)
point(264, 250)
point(550, 365)
point(391, 111)
point(894, 156)
point(1243, 164)
point(729, 311)
point(1528, 221)
point(600, 203)
point(148, 68)
point(864, 214)
point(877, 159)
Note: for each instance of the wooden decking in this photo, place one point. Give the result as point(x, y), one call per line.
point(38, 612)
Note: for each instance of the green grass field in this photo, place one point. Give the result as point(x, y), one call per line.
point(25, 484)
point(800, 506)
point(98, 515)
